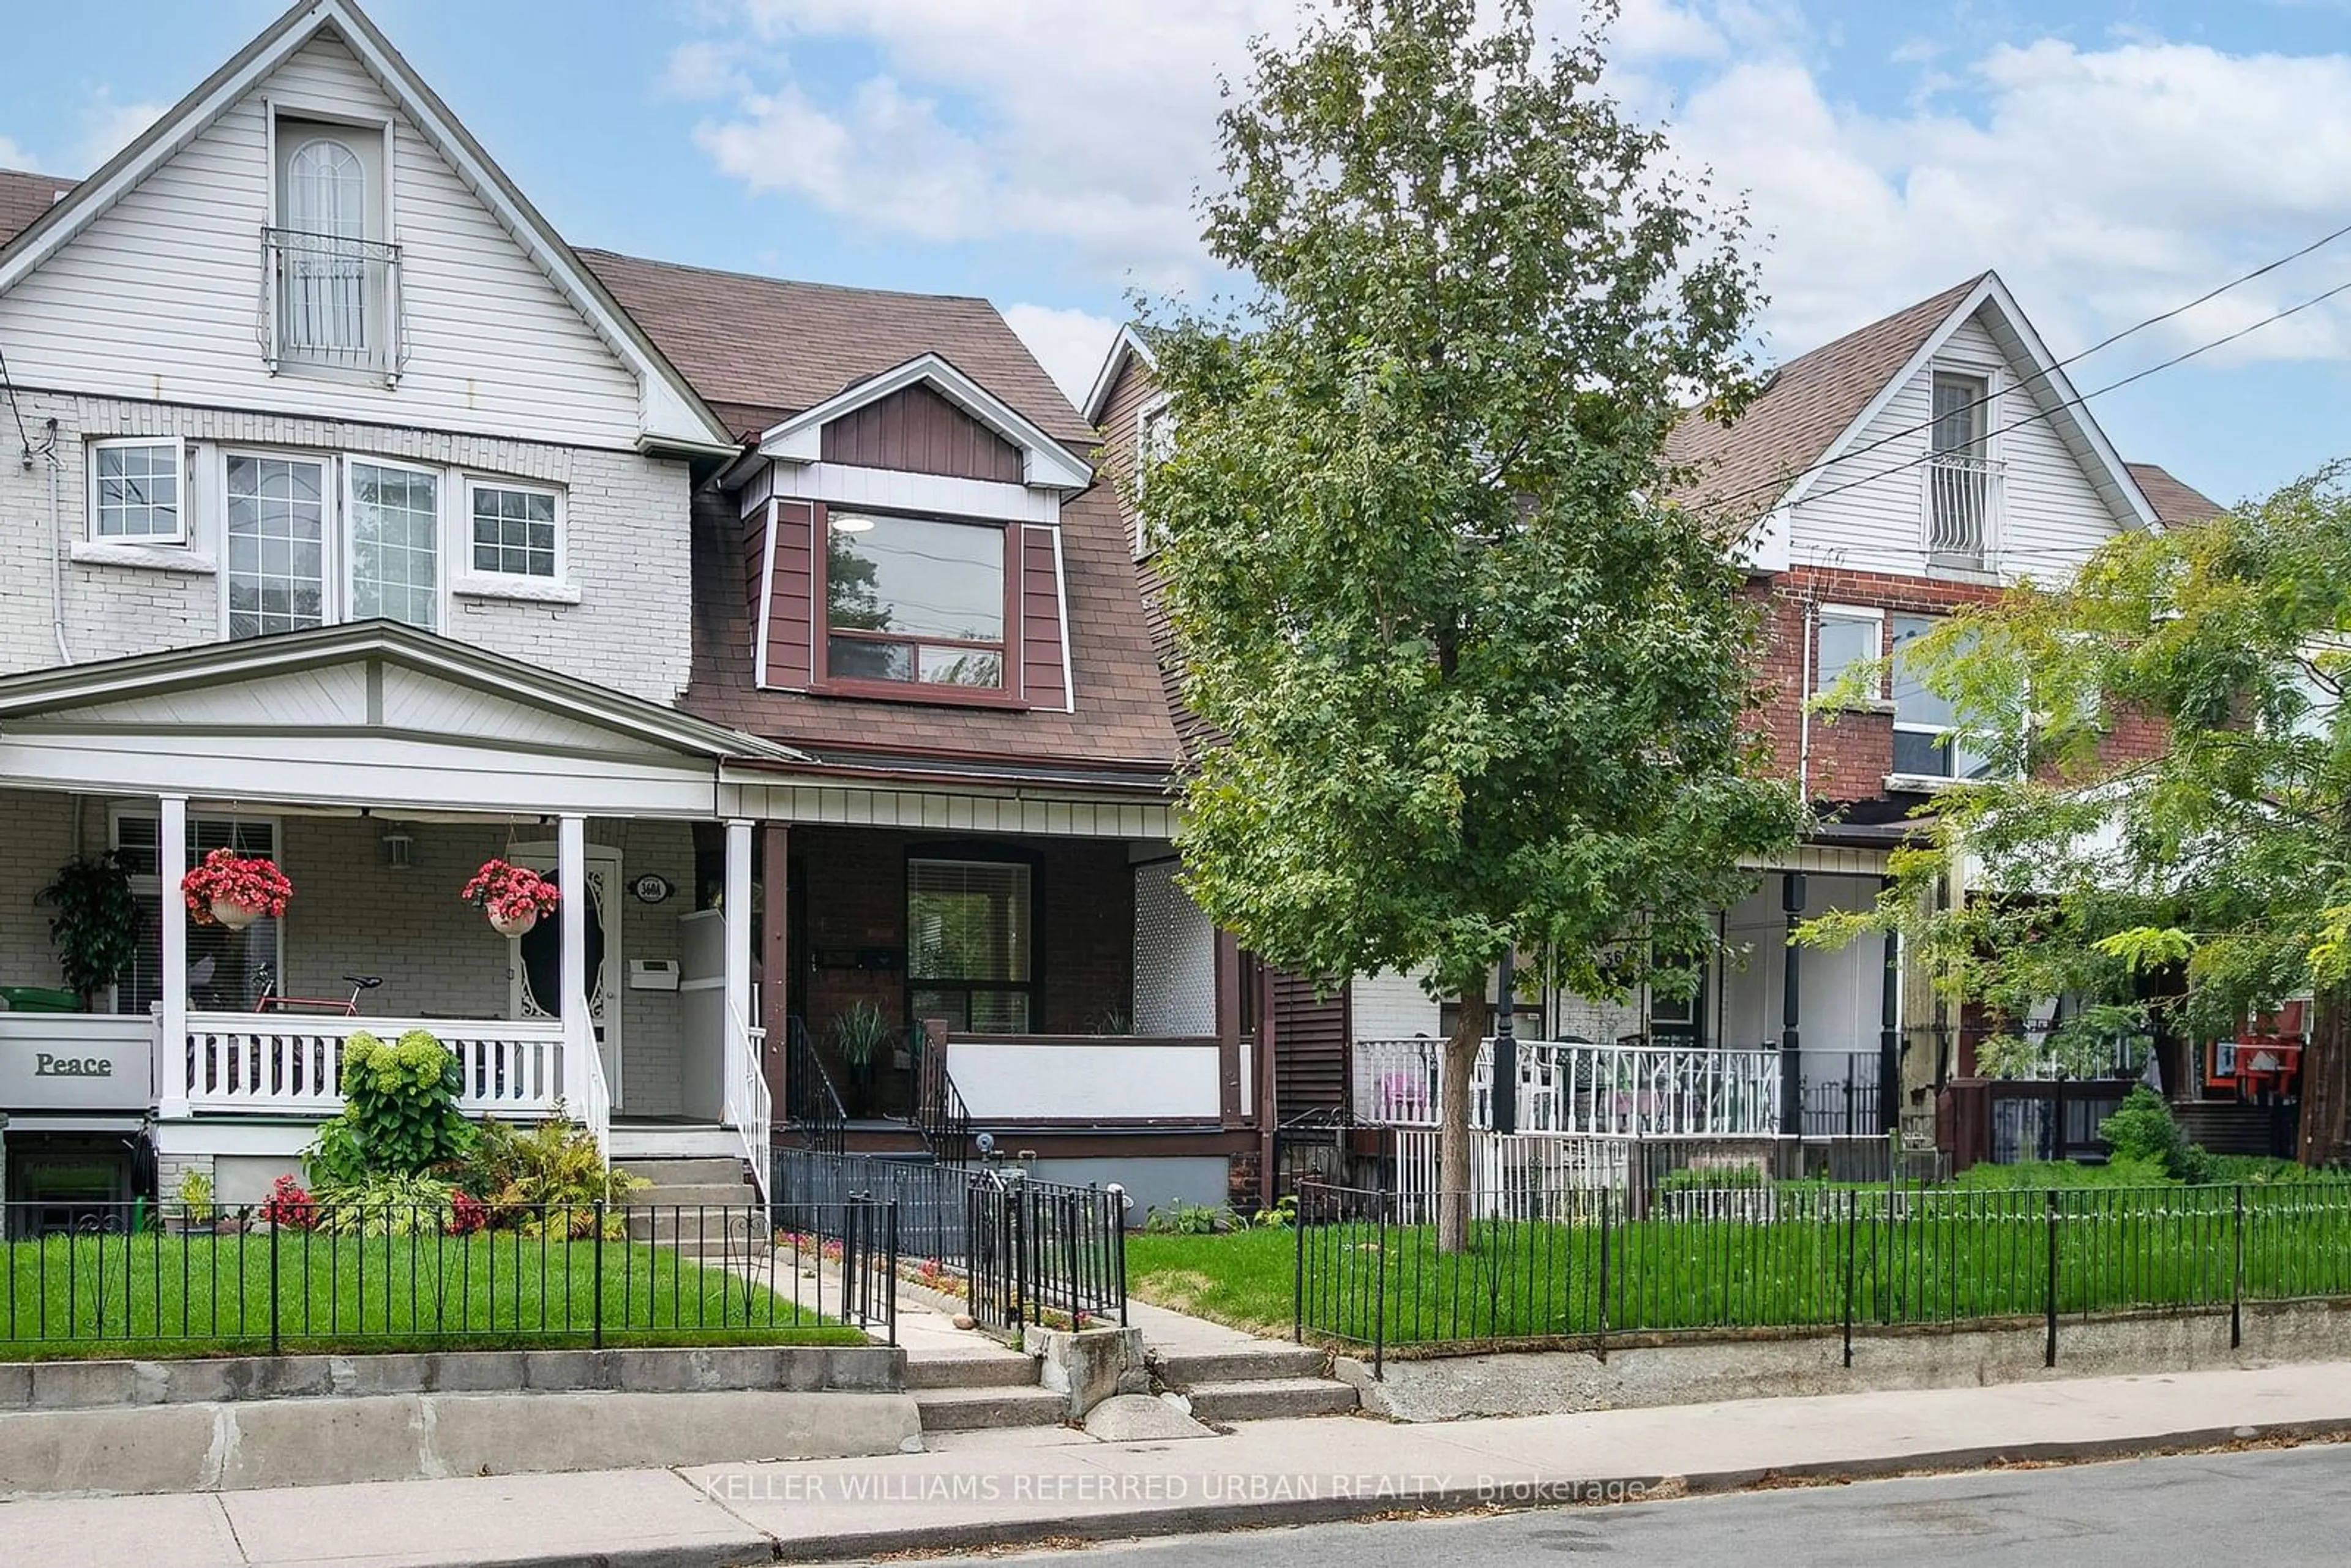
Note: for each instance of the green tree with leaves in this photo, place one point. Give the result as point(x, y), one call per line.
point(1478, 687)
point(2167, 830)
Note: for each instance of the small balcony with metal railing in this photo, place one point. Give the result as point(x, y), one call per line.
point(1962, 502)
point(331, 302)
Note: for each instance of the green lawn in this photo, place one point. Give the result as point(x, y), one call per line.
point(152, 1294)
point(1915, 1257)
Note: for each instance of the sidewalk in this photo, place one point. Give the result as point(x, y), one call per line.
point(1016, 1486)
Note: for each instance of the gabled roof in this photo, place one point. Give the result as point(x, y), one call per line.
point(764, 349)
point(2174, 502)
point(26, 197)
point(1129, 345)
point(1806, 405)
point(1817, 408)
point(1045, 463)
point(179, 670)
point(674, 415)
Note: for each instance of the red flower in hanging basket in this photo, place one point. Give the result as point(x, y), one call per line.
point(510, 894)
point(224, 879)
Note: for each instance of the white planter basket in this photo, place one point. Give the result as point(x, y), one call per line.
point(515, 926)
point(235, 916)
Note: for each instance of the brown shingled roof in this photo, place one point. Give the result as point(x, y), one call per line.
point(760, 349)
point(25, 196)
point(2174, 502)
point(1744, 468)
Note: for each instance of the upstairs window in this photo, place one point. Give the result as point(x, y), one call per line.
point(136, 492)
point(1155, 443)
point(515, 531)
point(331, 272)
point(1847, 640)
point(911, 601)
point(1928, 743)
point(1960, 477)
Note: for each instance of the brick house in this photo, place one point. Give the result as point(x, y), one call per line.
point(1923, 461)
point(363, 523)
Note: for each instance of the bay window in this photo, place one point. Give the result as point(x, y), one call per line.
point(913, 602)
point(395, 547)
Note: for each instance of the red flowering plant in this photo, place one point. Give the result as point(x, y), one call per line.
point(250, 882)
point(288, 1205)
point(467, 1214)
point(510, 892)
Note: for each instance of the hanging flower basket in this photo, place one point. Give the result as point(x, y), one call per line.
point(513, 897)
point(231, 890)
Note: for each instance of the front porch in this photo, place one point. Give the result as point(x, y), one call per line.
point(630, 1009)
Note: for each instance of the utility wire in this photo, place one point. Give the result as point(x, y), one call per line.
point(2079, 398)
point(2041, 375)
point(8, 390)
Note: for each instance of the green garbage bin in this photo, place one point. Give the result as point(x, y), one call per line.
point(39, 1000)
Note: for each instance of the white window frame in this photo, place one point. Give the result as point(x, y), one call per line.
point(349, 514)
point(518, 584)
point(1957, 736)
point(143, 884)
point(383, 317)
point(183, 537)
point(1145, 543)
point(332, 600)
point(1870, 612)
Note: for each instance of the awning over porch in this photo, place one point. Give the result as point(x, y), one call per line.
point(373, 714)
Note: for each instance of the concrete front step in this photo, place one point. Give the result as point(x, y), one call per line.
point(736, 1195)
point(1258, 1364)
point(975, 1409)
point(972, 1371)
point(694, 1171)
point(1270, 1399)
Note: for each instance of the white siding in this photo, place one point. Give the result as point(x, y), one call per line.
point(2047, 521)
point(160, 297)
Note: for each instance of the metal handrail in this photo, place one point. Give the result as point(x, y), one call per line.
point(811, 1102)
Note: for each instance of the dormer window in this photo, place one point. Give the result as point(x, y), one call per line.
point(333, 276)
point(914, 602)
point(1962, 481)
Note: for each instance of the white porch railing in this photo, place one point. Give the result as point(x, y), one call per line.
point(749, 1109)
point(1581, 1087)
point(292, 1064)
point(593, 1104)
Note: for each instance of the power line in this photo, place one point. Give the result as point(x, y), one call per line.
point(2081, 398)
point(2041, 375)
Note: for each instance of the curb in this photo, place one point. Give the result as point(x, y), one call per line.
point(1210, 1518)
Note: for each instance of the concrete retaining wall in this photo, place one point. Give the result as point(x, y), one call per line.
point(240, 1445)
point(43, 1386)
point(1530, 1383)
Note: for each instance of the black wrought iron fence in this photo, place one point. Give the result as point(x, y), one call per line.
point(298, 1273)
point(1370, 1270)
point(1839, 1095)
point(1043, 1253)
point(928, 1196)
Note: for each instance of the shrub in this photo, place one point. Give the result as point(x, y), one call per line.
point(1187, 1220)
point(400, 1111)
point(549, 1177)
point(2141, 1131)
point(384, 1204)
point(288, 1206)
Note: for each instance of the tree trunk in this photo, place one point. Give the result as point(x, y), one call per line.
point(2326, 1139)
point(1453, 1201)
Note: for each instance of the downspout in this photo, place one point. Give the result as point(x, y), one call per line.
point(49, 451)
point(1808, 631)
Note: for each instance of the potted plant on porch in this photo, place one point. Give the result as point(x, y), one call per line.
point(95, 928)
point(231, 890)
point(514, 896)
point(862, 1034)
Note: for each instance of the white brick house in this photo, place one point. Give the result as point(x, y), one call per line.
point(352, 526)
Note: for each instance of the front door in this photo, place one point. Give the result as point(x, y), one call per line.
point(538, 960)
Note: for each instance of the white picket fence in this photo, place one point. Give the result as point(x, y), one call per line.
point(1581, 1087)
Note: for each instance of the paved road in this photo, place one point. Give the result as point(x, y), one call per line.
point(2272, 1509)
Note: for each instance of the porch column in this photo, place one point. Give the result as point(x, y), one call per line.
point(171, 864)
point(736, 907)
point(572, 874)
point(774, 955)
point(1792, 1061)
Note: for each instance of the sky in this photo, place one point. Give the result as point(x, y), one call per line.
point(2112, 159)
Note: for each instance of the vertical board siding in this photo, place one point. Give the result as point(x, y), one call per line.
point(2050, 515)
point(791, 608)
point(1041, 620)
point(919, 431)
point(174, 270)
point(1309, 1048)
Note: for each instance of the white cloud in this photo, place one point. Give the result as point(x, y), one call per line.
point(2106, 183)
point(1070, 344)
point(108, 126)
point(14, 155)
